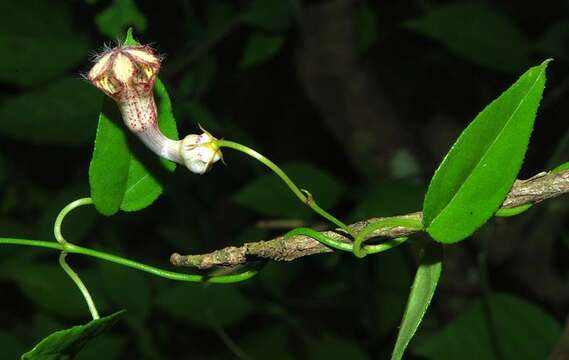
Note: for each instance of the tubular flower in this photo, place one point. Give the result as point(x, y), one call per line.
point(127, 75)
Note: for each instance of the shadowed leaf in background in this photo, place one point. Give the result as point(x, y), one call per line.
point(270, 197)
point(478, 33)
point(522, 331)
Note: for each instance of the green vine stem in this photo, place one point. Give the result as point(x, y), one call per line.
point(392, 222)
point(343, 246)
point(68, 270)
point(75, 249)
point(303, 195)
point(63, 213)
point(65, 246)
point(77, 280)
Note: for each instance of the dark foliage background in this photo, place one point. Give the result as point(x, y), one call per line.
point(359, 99)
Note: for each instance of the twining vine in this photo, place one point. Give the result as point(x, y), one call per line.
point(128, 75)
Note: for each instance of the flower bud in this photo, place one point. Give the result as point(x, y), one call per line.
point(199, 152)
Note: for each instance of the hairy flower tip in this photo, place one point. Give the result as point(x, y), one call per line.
point(199, 152)
point(125, 70)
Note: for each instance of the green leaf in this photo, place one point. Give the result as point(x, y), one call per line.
point(519, 329)
point(480, 168)
point(10, 345)
point(271, 15)
point(470, 29)
point(201, 304)
point(115, 19)
point(108, 170)
point(119, 179)
point(66, 344)
point(366, 31)
point(106, 346)
point(422, 292)
point(62, 112)
point(43, 323)
point(260, 48)
point(38, 42)
point(58, 295)
point(325, 189)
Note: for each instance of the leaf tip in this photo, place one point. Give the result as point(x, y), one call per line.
point(129, 39)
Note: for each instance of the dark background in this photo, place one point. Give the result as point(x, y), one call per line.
point(360, 100)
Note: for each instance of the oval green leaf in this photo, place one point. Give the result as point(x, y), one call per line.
point(422, 291)
point(108, 170)
point(270, 15)
point(480, 168)
point(66, 344)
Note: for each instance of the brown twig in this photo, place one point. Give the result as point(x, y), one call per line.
point(540, 187)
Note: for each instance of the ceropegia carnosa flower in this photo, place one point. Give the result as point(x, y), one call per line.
point(127, 75)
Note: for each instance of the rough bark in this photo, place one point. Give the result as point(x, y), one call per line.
point(531, 191)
